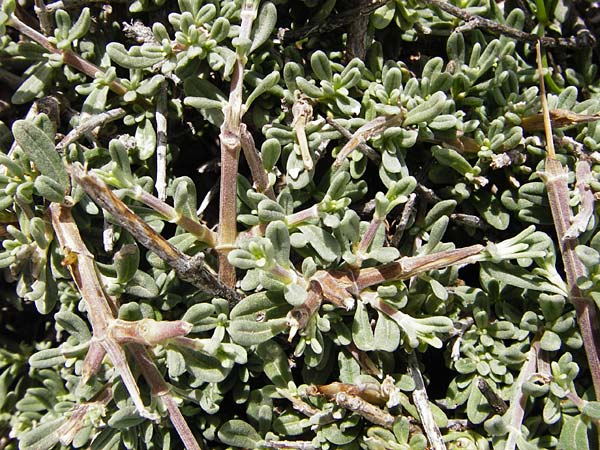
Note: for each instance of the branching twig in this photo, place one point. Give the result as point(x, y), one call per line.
point(69, 57)
point(230, 138)
point(83, 270)
point(161, 389)
point(474, 21)
point(111, 334)
point(190, 269)
point(554, 176)
point(362, 146)
point(422, 404)
point(88, 125)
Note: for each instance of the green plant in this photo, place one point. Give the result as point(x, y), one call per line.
point(401, 260)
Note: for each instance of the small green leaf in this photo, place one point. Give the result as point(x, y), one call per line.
point(592, 409)
point(151, 86)
point(362, 334)
point(42, 437)
point(455, 47)
point(199, 316)
point(324, 243)
point(240, 434)
point(270, 151)
point(258, 318)
point(51, 357)
point(175, 363)
point(126, 262)
point(133, 59)
point(142, 285)
point(277, 232)
point(319, 62)
point(295, 294)
point(81, 27)
point(220, 29)
point(263, 86)
point(124, 418)
point(491, 209)
point(205, 367)
point(477, 408)
point(74, 325)
point(574, 433)
point(443, 122)
point(49, 188)
point(387, 334)
point(40, 149)
point(440, 209)
point(427, 110)
point(550, 341)
point(95, 103)
point(275, 363)
point(270, 211)
point(451, 158)
point(145, 139)
point(290, 424)
point(266, 21)
point(34, 85)
point(309, 88)
point(382, 17)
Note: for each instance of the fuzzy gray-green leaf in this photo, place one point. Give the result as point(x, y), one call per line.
point(41, 150)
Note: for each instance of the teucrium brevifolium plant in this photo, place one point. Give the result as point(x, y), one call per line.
point(364, 173)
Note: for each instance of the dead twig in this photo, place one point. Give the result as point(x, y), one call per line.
point(83, 270)
point(302, 112)
point(365, 409)
point(559, 118)
point(362, 146)
point(88, 125)
point(494, 400)
point(516, 412)
point(161, 143)
point(366, 132)
point(474, 21)
point(421, 400)
point(44, 16)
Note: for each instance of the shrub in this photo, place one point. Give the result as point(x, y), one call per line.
point(399, 261)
